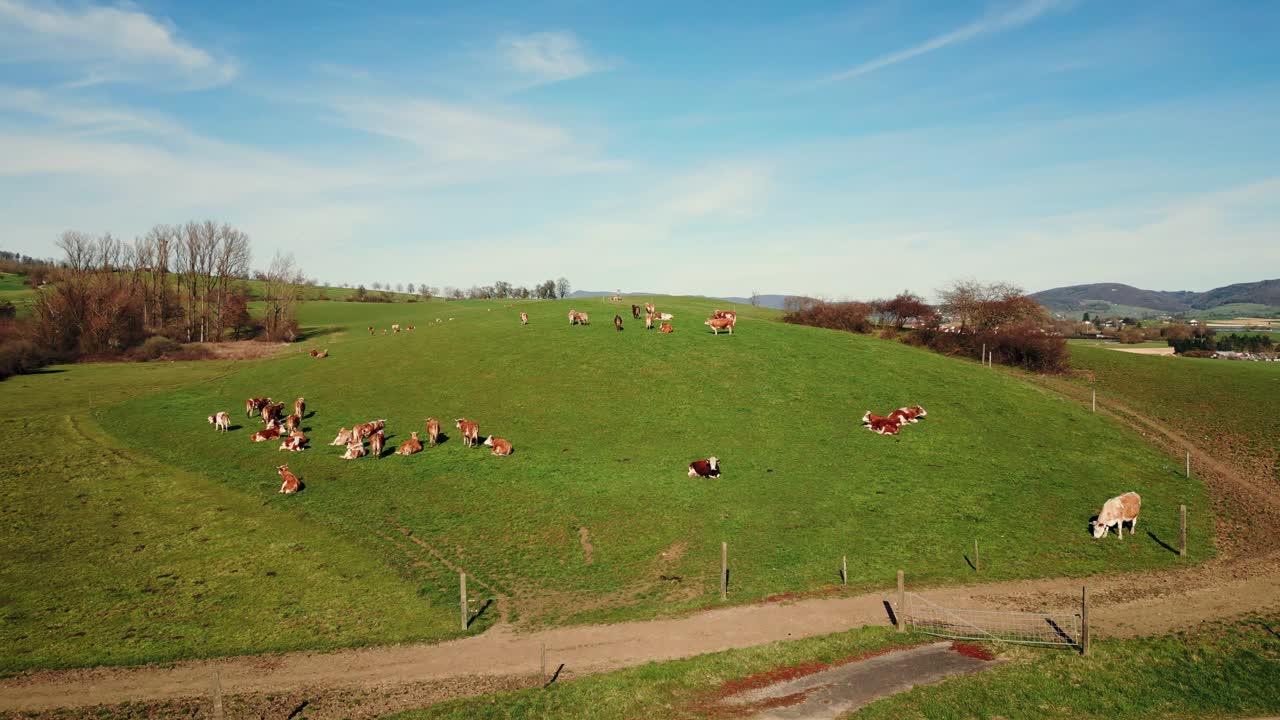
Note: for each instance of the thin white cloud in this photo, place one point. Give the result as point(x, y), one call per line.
point(546, 57)
point(1014, 17)
point(101, 44)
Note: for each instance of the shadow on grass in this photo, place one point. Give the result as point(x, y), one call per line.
point(970, 563)
point(314, 332)
point(483, 609)
point(1162, 543)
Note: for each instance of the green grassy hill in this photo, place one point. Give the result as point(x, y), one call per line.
point(13, 288)
point(604, 425)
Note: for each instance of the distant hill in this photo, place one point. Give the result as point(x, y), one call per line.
point(1126, 299)
point(765, 301)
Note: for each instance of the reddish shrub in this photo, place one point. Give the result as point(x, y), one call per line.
point(847, 316)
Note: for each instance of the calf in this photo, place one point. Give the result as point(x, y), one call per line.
point(635, 312)
point(255, 405)
point(375, 444)
point(1118, 511)
point(718, 324)
point(524, 318)
point(709, 468)
point(221, 421)
point(291, 483)
point(617, 323)
point(500, 446)
point(470, 431)
point(410, 446)
point(433, 431)
point(296, 442)
point(291, 423)
point(300, 407)
point(355, 449)
point(666, 328)
point(344, 437)
point(270, 433)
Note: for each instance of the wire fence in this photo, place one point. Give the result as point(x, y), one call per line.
point(1026, 628)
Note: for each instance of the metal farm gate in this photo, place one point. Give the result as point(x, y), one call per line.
point(1027, 628)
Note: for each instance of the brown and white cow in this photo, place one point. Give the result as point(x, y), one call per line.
point(1118, 511)
point(583, 319)
point(913, 413)
point(433, 431)
point(322, 354)
point(315, 352)
point(666, 328)
point(880, 425)
point(255, 405)
point(269, 433)
point(718, 324)
point(635, 312)
point(648, 321)
point(726, 315)
point(470, 431)
point(355, 449)
point(296, 442)
point(364, 430)
point(291, 483)
point(524, 318)
point(617, 323)
point(220, 421)
point(344, 437)
point(300, 407)
point(370, 329)
point(395, 328)
point(291, 423)
point(272, 412)
point(573, 317)
point(648, 307)
point(666, 316)
point(411, 327)
point(375, 444)
point(410, 446)
point(709, 468)
point(500, 446)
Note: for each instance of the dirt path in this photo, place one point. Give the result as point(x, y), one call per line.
point(1245, 578)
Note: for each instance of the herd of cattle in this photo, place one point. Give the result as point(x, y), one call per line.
point(1115, 512)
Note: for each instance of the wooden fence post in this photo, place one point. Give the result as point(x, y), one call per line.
point(542, 661)
point(217, 695)
point(462, 598)
point(724, 571)
point(1084, 620)
point(844, 569)
point(1182, 545)
point(984, 353)
point(902, 605)
point(1188, 463)
point(977, 560)
point(1095, 401)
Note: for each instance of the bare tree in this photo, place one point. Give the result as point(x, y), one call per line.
point(78, 251)
point(562, 287)
point(755, 298)
point(283, 279)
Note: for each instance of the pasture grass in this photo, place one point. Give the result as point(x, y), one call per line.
point(13, 288)
point(1220, 670)
point(111, 557)
point(605, 423)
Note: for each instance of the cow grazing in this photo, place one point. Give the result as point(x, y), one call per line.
point(291, 483)
point(410, 446)
point(269, 433)
point(344, 437)
point(291, 423)
point(355, 449)
point(573, 317)
point(500, 446)
point(221, 421)
point(718, 324)
point(272, 412)
point(666, 328)
point(255, 405)
point(583, 319)
point(300, 407)
point(617, 323)
point(709, 468)
point(433, 431)
point(635, 312)
point(524, 318)
point(470, 431)
point(648, 321)
point(296, 442)
point(1118, 511)
point(375, 444)
point(648, 307)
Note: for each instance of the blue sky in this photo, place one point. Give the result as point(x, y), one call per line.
point(845, 150)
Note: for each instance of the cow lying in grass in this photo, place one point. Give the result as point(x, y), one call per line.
point(1117, 511)
point(291, 483)
point(500, 446)
point(296, 442)
point(410, 446)
point(891, 424)
point(666, 328)
point(271, 432)
point(709, 468)
point(344, 437)
point(355, 449)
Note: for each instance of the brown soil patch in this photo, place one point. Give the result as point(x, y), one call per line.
point(240, 349)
